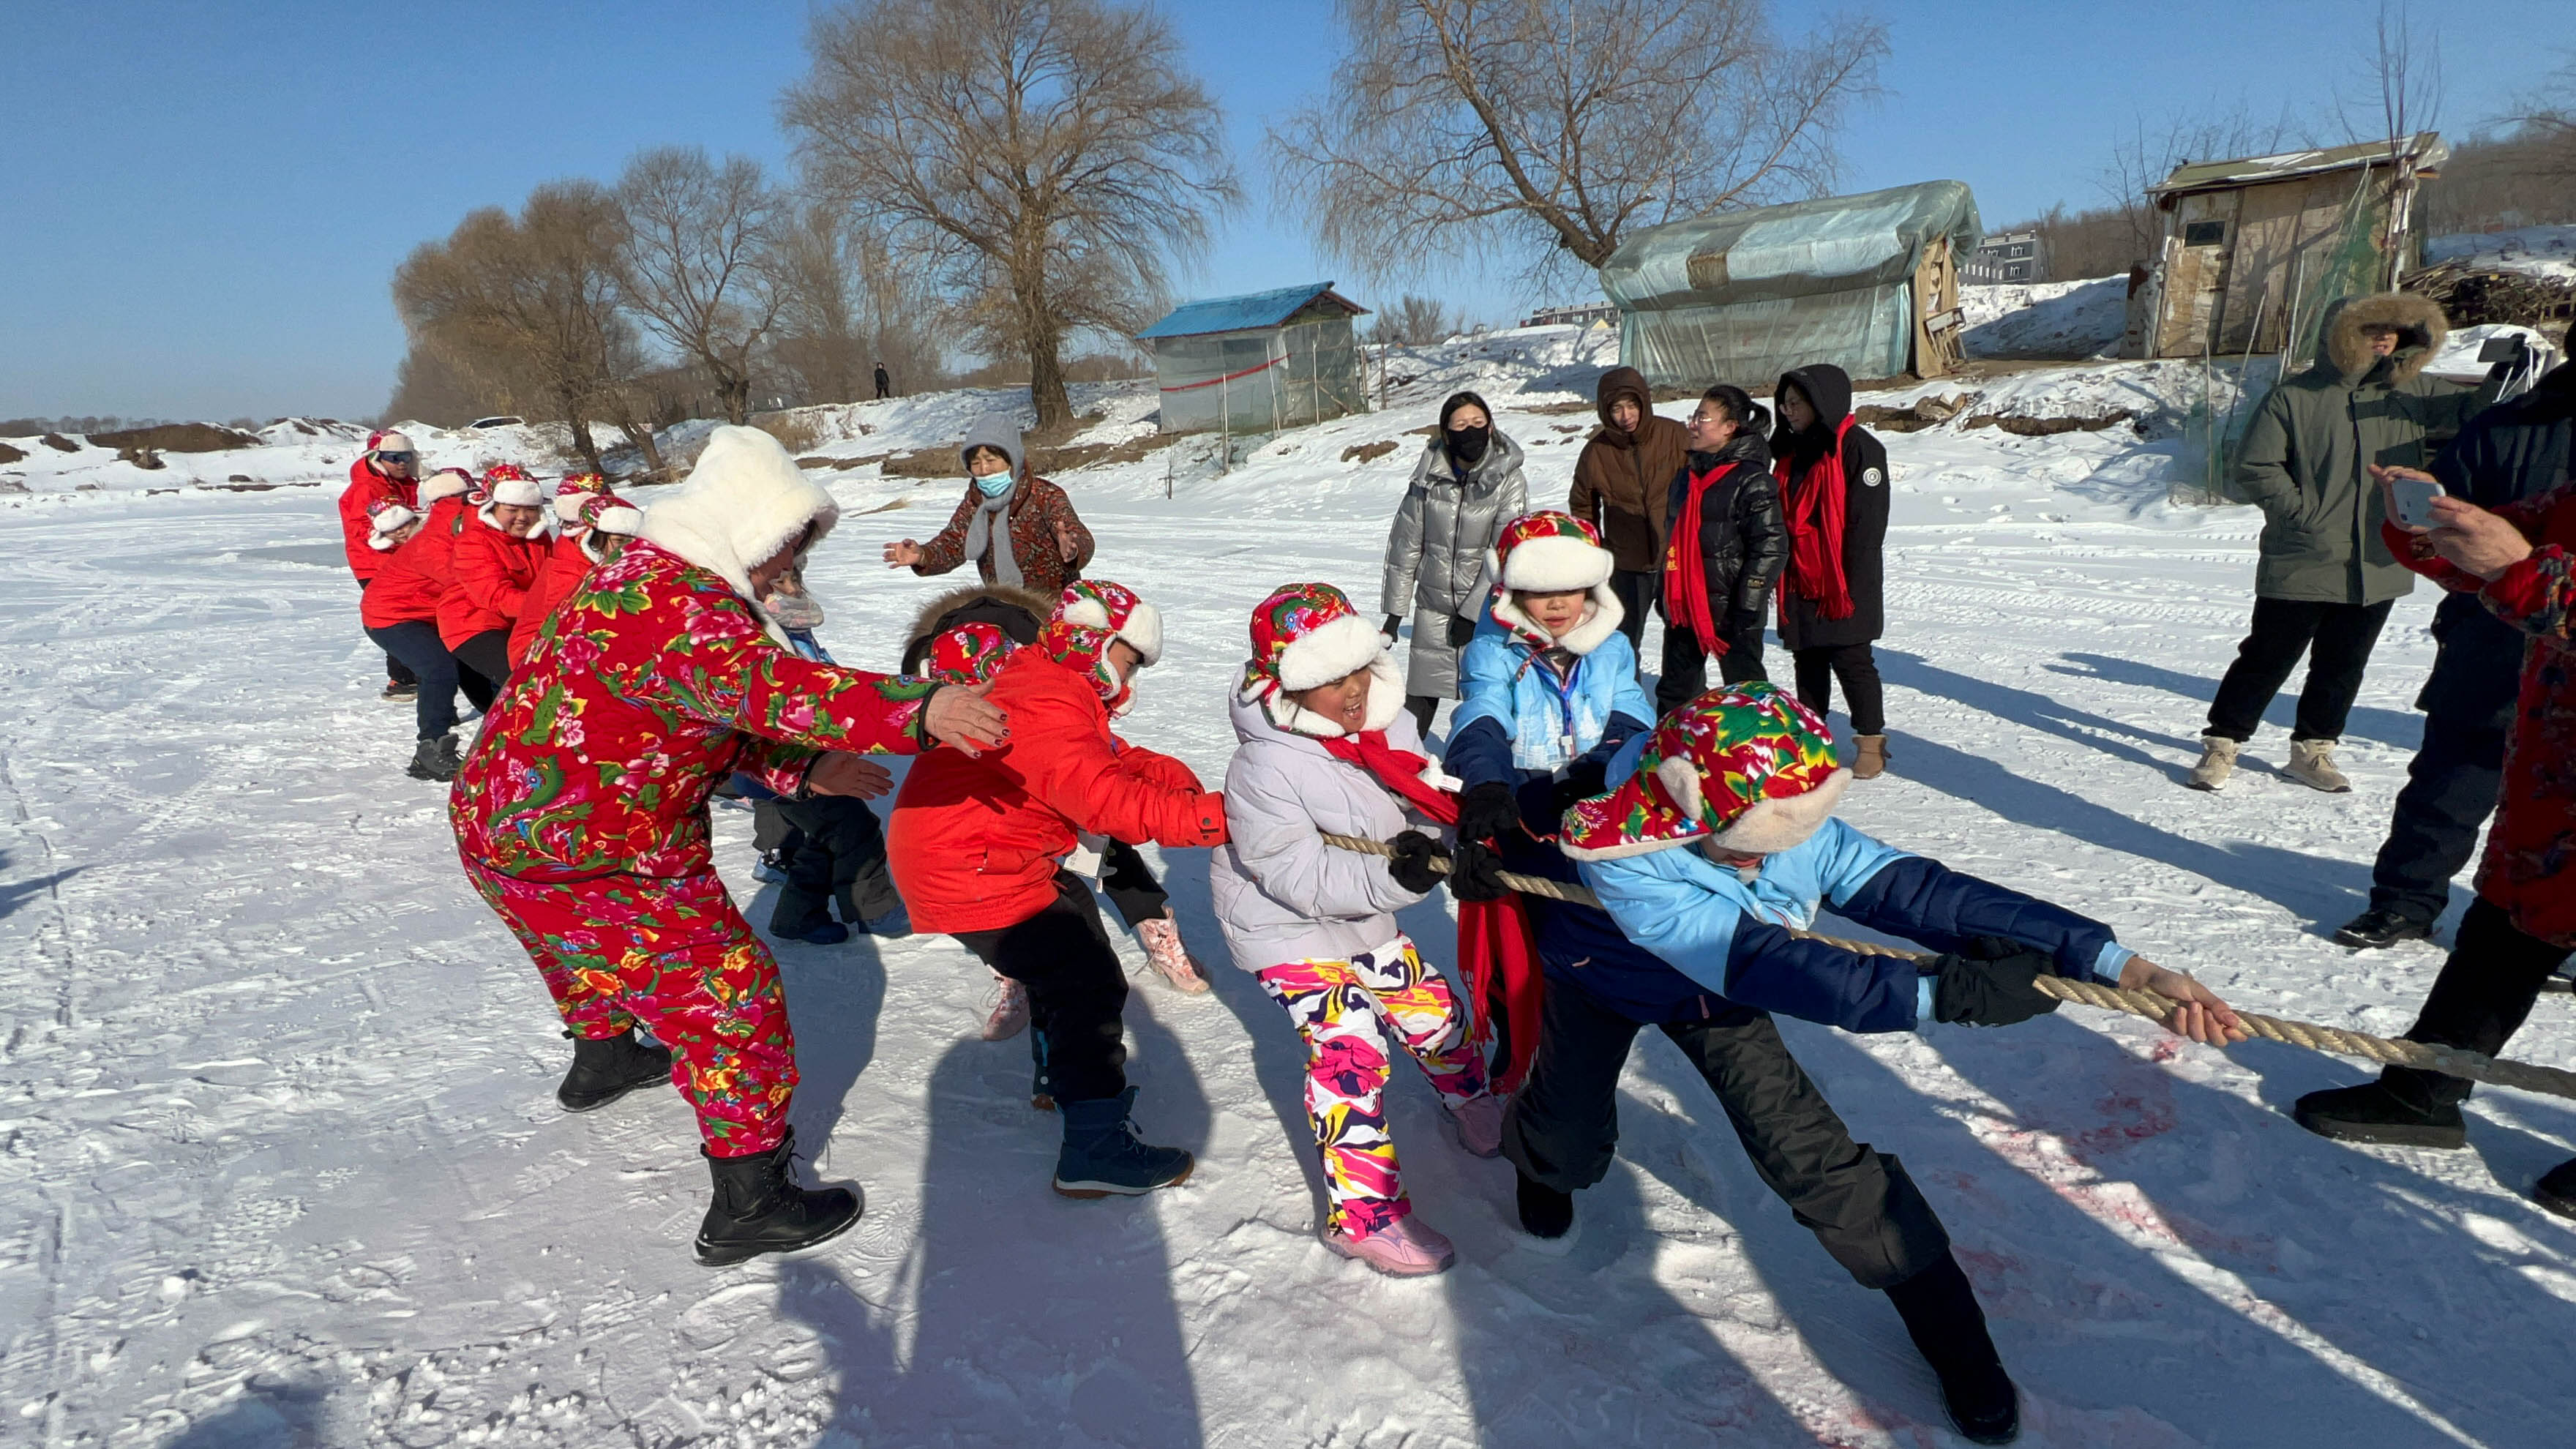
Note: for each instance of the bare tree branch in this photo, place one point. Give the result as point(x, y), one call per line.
point(695, 264)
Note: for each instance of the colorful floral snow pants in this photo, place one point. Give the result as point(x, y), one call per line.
point(1346, 1011)
point(674, 955)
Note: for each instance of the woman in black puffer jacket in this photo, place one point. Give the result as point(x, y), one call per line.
point(1726, 546)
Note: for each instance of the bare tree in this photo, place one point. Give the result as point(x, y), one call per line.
point(2396, 88)
point(1548, 132)
point(527, 306)
point(694, 264)
point(2152, 150)
point(1416, 321)
point(2546, 121)
point(1048, 158)
point(848, 305)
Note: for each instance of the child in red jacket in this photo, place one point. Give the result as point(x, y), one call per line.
point(978, 844)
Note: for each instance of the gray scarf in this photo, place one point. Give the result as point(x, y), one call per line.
point(981, 534)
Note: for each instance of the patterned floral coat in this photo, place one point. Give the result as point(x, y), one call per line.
point(652, 685)
point(1036, 507)
point(2530, 863)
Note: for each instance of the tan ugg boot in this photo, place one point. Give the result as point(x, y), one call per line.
point(1871, 761)
point(2312, 764)
point(2217, 762)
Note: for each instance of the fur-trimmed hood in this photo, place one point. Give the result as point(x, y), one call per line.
point(2420, 325)
point(994, 604)
point(743, 502)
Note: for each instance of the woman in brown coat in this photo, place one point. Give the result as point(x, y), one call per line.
point(1620, 485)
point(1018, 528)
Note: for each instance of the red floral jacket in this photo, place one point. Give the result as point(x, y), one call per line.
point(2530, 864)
point(655, 684)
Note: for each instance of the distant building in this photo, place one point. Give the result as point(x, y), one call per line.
point(2006, 257)
point(1580, 314)
point(1258, 363)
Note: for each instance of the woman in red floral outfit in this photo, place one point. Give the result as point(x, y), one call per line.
point(2521, 563)
point(581, 815)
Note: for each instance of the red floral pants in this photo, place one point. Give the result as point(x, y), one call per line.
point(675, 956)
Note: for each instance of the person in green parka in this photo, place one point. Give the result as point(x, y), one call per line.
point(2325, 582)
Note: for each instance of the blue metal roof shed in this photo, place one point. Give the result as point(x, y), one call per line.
point(1259, 362)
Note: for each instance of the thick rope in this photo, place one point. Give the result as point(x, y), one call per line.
point(2498, 1071)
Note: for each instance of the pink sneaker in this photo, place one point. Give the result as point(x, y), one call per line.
point(1010, 1012)
point(1479, 1121)
point(1169, 958)
point(1404, 1248)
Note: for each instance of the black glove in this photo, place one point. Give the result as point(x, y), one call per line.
point(1988, 983)
point(1487, 810)
point(1475, 873)
point(1393, 623)
point(1583, 780)
point(1460, 631)
point(1411, 863)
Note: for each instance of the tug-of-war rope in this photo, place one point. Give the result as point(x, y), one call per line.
point(2498, 1071)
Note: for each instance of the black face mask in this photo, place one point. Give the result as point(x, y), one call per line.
point(1467, 445)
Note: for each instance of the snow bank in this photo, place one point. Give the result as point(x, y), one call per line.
point(2046, 319)
point(2539, 251)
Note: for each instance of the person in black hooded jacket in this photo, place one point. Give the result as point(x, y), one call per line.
point(1833, 481)
point(1727, 543)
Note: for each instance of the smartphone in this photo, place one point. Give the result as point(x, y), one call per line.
point(2414, 499)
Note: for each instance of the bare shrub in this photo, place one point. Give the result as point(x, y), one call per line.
point(795, 432)
point(1416, 322)
point(176, 438)
point(692, 260)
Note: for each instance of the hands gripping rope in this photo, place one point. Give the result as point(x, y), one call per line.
point(2496, 1071)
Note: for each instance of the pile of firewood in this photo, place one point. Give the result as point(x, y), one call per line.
point(2471, 294)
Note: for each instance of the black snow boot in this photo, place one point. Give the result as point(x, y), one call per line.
point(1103, 1153)
point(2406, 1107)
point(607, 1068)
point(1545, 1212)
point(759, 1209)
point(435, 760)
point(1941, 1315)
point(2379, 927)
point(2556, 1189)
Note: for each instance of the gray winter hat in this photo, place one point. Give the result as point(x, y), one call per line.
point(997, 431)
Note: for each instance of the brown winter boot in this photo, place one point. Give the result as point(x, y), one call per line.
point(1872, 759)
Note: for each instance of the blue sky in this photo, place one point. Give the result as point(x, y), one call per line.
point(205, 201)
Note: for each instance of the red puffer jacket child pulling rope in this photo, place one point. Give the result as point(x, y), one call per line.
point(581, 815)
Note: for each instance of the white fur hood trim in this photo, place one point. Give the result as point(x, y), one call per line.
point(1385, 702)
point(1601, 619)
point(745, 500)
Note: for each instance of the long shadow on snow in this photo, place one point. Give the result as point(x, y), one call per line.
point(18, 893)
point(2395, 728)
point(2315, 888)
point(2070, 1332)
point(834, 996)
point(2355, 1247)
point(1588, 1347)
point(1031, 1310)
point(271, 1413)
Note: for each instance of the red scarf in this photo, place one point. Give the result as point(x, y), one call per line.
point(1815, 509)
point(1685, 579)
point(1494, 942)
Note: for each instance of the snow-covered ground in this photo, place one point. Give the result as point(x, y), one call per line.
point(2542, 251)
point(279, 1162)
point(2046, 319)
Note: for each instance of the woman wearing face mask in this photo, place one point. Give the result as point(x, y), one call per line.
point(1465, 488)
point(1016, 527)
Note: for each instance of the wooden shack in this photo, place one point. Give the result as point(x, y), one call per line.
point(2255, 248)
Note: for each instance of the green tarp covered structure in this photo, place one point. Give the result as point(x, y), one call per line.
point(1868, 283)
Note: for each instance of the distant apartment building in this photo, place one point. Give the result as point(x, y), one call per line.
point(2007, 257)
point(1581, 314)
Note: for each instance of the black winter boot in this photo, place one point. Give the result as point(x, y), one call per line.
point(2556, 1189)
point(2380, 926)
point(1941, 1315)
point(435, 760)
point(1546, 1214)
point(607, 1068)
point(758, 1208)
point(1103, 1153)
point(2406, 1107)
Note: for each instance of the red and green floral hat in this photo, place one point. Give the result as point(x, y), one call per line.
point(1100, 604)
point(968, 654)
point(1552, 551)
point(1085, 651)
point(1304, 635)
point(1746, 767)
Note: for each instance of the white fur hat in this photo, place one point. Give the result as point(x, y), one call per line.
point(445, 483)
point(1100, 604)
point(387, 522)
point(1551, 552)
point(519, 492)
point(743, 502)
point(393, 442)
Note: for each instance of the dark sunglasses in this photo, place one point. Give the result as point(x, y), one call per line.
point(384, 457)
